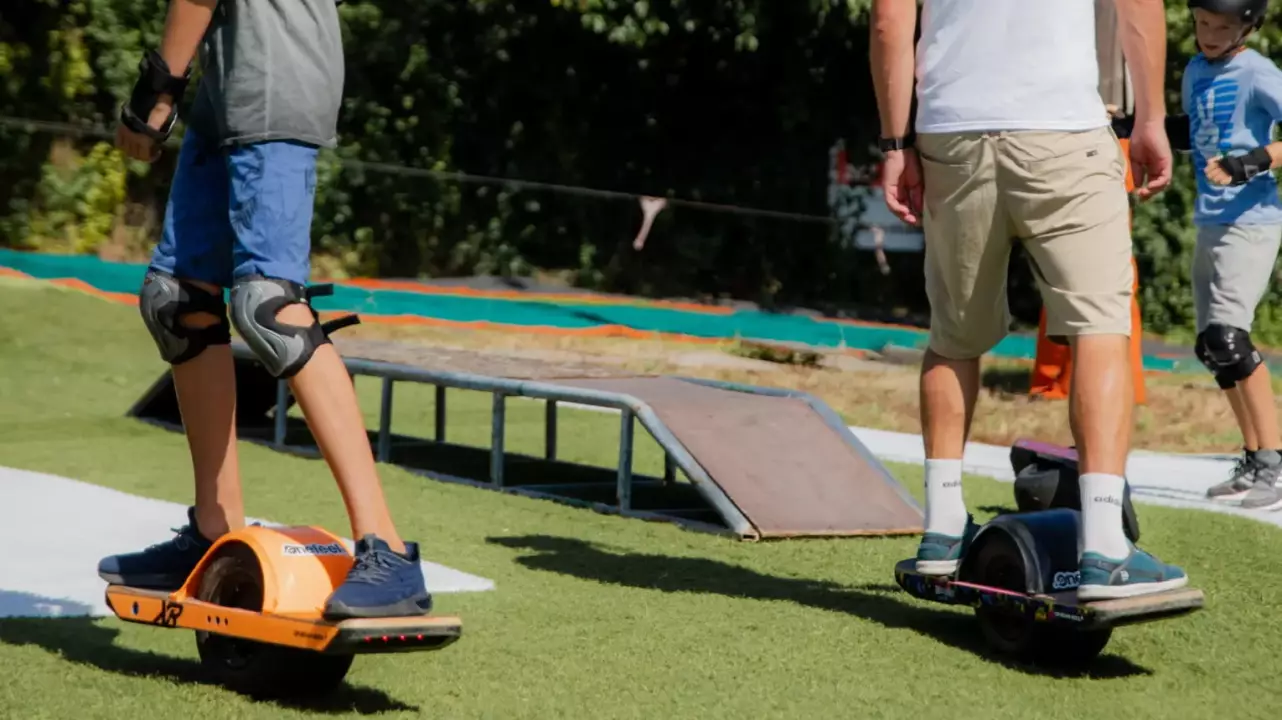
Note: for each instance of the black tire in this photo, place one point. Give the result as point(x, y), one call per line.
point(1064, 647)
point(999, 564)
point(235, 579)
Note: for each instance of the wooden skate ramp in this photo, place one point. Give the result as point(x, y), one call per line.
point(775, 458)
point(759, 462)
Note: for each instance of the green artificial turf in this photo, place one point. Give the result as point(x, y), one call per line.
point(594, 616)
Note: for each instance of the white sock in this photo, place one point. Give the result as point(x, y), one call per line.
point(945, 506)
point(1102, 515)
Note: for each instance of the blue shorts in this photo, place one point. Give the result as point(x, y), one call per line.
point(239, 211)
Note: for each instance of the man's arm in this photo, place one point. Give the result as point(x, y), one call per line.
point(1141, 25)
point(893, 24)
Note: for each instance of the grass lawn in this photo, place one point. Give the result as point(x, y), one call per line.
point(594, 616)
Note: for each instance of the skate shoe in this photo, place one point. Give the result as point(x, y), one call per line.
point(1264, 494)
point(1241, 480)
point(938, 554)
point(1139, 573)
point(381, 583)
point(164, 566)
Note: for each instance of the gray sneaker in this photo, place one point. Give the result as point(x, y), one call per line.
point(1264, 493)
point(1241, 481)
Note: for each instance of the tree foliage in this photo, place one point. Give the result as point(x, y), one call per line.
point(731, 103)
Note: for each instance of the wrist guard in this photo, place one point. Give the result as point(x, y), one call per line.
point(154, 80)
point(1241, 168)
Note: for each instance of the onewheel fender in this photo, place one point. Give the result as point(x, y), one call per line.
point(293, 570)
point(301, 566)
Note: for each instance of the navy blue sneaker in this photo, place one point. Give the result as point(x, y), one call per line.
point(1139, 573)
point(164, 566)
point(381, 583)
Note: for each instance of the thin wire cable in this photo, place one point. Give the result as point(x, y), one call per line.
point(32, 125)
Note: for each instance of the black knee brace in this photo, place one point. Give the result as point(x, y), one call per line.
point(283, 348)
point(1228, 353)
point(165, 300)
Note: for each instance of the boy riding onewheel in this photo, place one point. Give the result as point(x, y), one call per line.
point(239, 217)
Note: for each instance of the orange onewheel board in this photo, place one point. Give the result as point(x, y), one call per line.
point(296, 570)
point(171, 610)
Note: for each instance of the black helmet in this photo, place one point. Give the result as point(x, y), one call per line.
point(1250, 12)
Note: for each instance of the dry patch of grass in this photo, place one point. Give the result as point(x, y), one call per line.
point(1183, 413)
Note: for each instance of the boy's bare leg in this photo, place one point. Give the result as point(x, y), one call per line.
point(1257, 397)
point(206, 389)
point(1256, 394)
point(1261, 459)
point(186, 320)
point(328, 400)
point(1250, 438)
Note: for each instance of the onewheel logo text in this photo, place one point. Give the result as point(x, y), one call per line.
point(1066, 580)
point(313, 549)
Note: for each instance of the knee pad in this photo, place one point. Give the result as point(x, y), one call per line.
point(282, 347)
point(1228, 353)
point(165, 300)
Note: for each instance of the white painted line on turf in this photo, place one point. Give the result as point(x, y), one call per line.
point(1156, 478)
point(70, 525)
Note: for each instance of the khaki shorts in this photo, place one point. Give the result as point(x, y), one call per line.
point(1063, 195)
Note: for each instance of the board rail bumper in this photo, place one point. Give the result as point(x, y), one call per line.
point(1062, 607)
point(366, 636)
point(1147, 608)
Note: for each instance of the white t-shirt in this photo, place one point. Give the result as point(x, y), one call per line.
point(988, 65)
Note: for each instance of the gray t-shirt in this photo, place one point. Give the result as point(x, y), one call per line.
point(270, 70)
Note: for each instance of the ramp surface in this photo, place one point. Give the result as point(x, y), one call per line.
point(786, 469)
point(70, 525)
point(775, 458)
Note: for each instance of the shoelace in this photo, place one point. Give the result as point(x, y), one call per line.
point(181, 540)
point(372, 567)
point(1241, 468)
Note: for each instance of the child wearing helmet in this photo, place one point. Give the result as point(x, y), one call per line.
point(1232, 97)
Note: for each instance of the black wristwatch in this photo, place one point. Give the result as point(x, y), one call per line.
point(886, 145)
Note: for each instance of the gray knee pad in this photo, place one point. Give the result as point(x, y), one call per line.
point(283, 348)
point(1228, 353)
point(165, 300)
